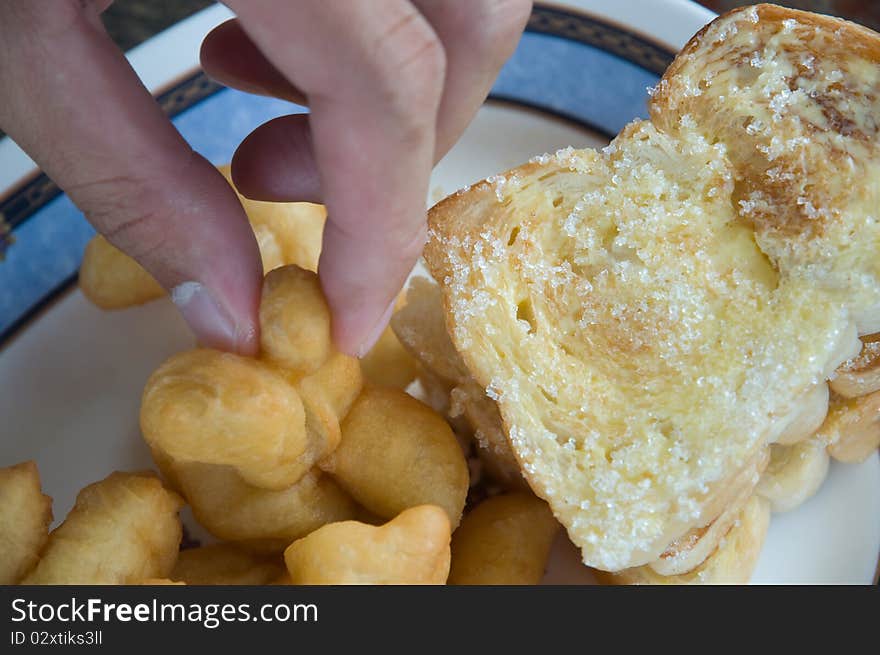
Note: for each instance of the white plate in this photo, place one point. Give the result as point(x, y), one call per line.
point(72, 375)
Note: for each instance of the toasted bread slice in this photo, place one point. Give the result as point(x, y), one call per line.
point(650, 317)
point(794, 474)
point(732, 562)
point(795, 99)
point(421, 328)
point(852, 429)
point(860, 376)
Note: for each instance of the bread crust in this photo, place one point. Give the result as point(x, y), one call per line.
point(580, 288)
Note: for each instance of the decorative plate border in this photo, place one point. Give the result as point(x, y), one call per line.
point(564, 23)
point(24, 200)
point(570, 24)
point(28, 198)
point(31, 196)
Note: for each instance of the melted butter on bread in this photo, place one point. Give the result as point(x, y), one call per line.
point(644, 329)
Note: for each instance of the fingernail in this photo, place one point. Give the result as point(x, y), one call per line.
point(368, 343)
point(212, 324)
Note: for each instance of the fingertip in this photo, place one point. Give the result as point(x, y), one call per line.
point(355, 335)
point(361, 301)
point(361, 277)
point(213, 45)
point(211, 263)
point(228, 56)
point(276, 162)
point(214, 324)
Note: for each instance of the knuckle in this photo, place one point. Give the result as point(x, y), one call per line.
point(497, 27)
point(412, 65)
point(122, 207)
point(410, 46)
point(137, 234)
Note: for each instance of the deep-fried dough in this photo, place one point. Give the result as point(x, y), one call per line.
point(113, 280)
point(397, 452)
point(219, 408)
point(25, 515)
point(504, 540)
point(264, 520)
point(388, 363)
point(413, 548)
point(225, 564)
point(122, 530)
point(294, 321)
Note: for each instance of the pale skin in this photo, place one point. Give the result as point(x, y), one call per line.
point(391, 85)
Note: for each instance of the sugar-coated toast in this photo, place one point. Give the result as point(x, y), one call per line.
point(649, 318)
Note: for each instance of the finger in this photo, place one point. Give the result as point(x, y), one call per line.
point(374, 81)
point(74, 104)
point(478, 37)
point(231, 58)
point(276, 162)
point(100, 6)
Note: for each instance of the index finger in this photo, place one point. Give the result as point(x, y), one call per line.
point(374, 82)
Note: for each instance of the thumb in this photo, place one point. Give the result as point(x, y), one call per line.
point(192, 235)
point(75, 105)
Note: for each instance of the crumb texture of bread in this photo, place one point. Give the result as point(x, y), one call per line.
point(795, 99)
point(420, 327)
point(649, 317)
point(732, 563)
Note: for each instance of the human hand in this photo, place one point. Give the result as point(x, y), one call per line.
point(389, 90)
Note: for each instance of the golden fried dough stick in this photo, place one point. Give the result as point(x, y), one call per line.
point(270, 419)
point(219, 408)
point(25, 515)
point(160, 582)
point(860, 376)
point(504, 540)
point(225, 564)
point(261, 519)
point(421, 328)
point(852, 429)
point(397, 452)
point(113, 280)
point(286, 233)
point(327, 395)
point(122, 530)
point(732, 562)
point(339, 379)
point(389, 364)
point(294, 321)
point(413, 548)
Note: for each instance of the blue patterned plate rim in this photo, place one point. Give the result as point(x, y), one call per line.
point(19, 203)
point(26, 198)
